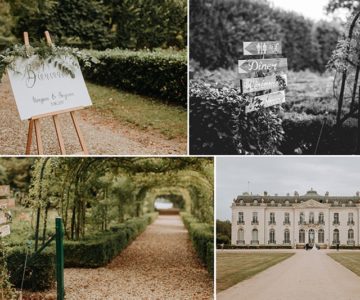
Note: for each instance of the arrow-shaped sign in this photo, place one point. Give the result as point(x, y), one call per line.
point(266, 100)
point(249, 85)
point(262, 48)
point(271, 65)
point(4, 230)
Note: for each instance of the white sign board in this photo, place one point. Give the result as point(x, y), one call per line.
point(41, 88)
point(4, 230)
point(3, 220)
point(267, 100)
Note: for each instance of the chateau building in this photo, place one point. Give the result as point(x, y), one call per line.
point(296, 220)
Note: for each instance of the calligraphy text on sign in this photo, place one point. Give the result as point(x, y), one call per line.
point(249, 85)
point(267, 100)
point(46, 89)
point(262, 48)
point(265, 65)
point(4, 230)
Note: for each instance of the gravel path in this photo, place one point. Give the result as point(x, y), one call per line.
point(160, 264)
point(306, 275)
point(103, 135)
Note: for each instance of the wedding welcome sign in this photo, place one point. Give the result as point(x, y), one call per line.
point(44, 87)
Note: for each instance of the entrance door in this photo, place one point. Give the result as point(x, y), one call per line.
point(311, 236)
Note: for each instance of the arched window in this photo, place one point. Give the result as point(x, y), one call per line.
point(321, 236)
point(351, 234)
point(336, 236)
point(286, 236)
point(272, 236)
point(240, 234)
point(302, 236)
point(254, 235)
point(311, 236)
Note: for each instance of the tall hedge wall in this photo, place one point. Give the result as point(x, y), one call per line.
point(161, 74)
point(218, 29)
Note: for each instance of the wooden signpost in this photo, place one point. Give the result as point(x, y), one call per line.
point(249, 85)
point(266, 65)
point(4, 226)
point(266, 71)
point(267, 100)
point(47, 92)
point(262, 48)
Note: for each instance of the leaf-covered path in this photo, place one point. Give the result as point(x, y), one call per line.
point(103, 135)
point(160, 264)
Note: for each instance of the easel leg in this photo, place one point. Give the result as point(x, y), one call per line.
point(58, 134)
point(40, 148)
point(29, 137)
point(78, 132)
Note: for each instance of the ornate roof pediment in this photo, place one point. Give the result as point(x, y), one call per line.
point(311, 204)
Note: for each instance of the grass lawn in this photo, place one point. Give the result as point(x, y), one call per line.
point(349, 260)
point(238, 266)
point(143, 112)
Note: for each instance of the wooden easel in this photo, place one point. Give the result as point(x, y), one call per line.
point(34, 122)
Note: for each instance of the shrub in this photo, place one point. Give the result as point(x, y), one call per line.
point(40, 272)
point(161, 74)
point(98, 250)
point(302, 132)
point(219, 125)
point(202, 237)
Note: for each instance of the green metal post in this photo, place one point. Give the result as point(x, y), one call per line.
point(59, 259)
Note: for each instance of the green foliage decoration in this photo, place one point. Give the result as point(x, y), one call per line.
point(6, 289)
point(65, 59)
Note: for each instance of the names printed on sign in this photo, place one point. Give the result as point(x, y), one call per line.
point(4, 230)
point(41, 88)
point(262, 48)
point(266, 100)
point(265, 65)
point(249, 85)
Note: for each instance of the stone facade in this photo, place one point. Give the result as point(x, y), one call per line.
point(296, 220)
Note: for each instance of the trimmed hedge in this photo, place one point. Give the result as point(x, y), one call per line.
point(161, 74)
point(202, 237)
point(219, 125)
point(346, 247)
point(98, 250)
point(40, 273)
point(302, 132)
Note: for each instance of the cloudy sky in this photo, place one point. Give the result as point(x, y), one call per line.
point(313, 9)
point(282, 175)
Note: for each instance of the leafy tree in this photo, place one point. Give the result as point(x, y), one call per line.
point(223, 232)
point(334, 5)
point(6, 25)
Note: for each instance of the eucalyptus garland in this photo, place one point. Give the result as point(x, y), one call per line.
point(64, 58)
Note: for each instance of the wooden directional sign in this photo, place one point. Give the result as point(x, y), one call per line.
point(262, 48)
point(267, 100)
point(4, 230)
point(3, 220)
point(271, 65)
point(249, 85)
point(4, 190)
